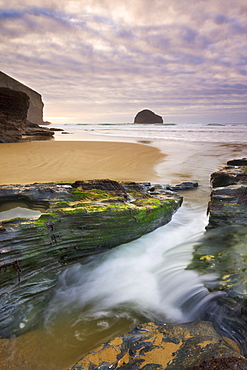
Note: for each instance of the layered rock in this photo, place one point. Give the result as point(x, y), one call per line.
point(35, 108)
point(226, 242)
point(223, 247)
point(223, 250)
point(228, 204)
point(147, 116)
point(14, 125)
point(190, 346)
point(15, 115)
point(77, 220)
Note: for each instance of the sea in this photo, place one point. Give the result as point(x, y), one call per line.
point(202, 132)
point(146, 279)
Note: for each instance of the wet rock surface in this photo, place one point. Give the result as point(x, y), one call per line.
point(186, 185)
point(223, 248)
point(194, 345)
point(77, 220)
point(230, 175)
point(222, 251)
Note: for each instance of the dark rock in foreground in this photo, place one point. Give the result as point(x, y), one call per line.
point(228, 205)
point(77, 220)
point(237, 162)
point(190, 346)
point(194, 346)
point(223, 251)
point(147, 116)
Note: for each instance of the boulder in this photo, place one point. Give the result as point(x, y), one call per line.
point(228, 204)
point(191, 346)
point(229, 175)
point(77, 220)
point(237, 162)
point(147, 116)
point(186, 185)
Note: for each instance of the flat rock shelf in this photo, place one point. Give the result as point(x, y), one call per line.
point(77, 220)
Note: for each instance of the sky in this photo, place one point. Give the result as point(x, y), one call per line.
point(96, 61)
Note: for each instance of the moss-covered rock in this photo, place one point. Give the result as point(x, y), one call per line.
point(77, 220)
point(222, 251)
point(223, 248)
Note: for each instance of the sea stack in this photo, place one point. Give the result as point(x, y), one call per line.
point(147, 116)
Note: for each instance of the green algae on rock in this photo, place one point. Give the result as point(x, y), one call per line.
point(77, 220)
point(164, 346)
point(223, 248)
point(222, 251)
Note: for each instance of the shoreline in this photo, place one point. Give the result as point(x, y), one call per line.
point(68, 161)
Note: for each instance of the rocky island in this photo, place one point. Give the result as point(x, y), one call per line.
point(147, 116)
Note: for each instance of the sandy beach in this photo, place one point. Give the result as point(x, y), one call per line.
point(49, 161)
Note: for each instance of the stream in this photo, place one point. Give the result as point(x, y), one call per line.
point(145, 280)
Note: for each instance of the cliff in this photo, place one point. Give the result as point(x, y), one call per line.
point(13, 113)
point(35, 108)
point(21, 111)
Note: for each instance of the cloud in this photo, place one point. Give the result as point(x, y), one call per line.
point(120, 56)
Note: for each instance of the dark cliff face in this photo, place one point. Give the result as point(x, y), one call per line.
point(35, 109)
point(13, 117)
point(147, 116)
point(13, 104)
point(13, 113)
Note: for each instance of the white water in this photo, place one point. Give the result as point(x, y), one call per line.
point(147, 278)
point(147, 275)
point(201, 132)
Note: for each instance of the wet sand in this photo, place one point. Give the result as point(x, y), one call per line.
point(50, 161)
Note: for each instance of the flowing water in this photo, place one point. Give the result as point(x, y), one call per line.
point(146, 279)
